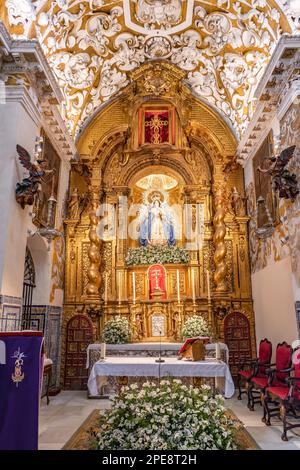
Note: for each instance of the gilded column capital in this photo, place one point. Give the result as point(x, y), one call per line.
point(121, 190)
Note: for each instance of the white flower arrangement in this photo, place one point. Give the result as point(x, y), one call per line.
point(171, 416)
point(195, 326)
point(116, 331)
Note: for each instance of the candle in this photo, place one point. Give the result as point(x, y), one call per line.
point(193, 286)
point(178, 286)
point(133, 288)
point(119, 287)
point(218, 351)
point(103, 351)
point(106, 288)
point(208, 285)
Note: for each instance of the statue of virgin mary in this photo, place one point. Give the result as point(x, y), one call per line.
point(156, 225)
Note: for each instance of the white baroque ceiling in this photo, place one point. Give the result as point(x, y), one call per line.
point(93, 45)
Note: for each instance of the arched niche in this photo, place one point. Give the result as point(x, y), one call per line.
point(42, 263)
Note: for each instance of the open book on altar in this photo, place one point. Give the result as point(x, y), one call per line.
point(194, 348)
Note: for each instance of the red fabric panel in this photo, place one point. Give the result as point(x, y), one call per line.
point(283, 360)
point(163, 131)
point(262, 382)
point(281, 392)
point(265, 351)
point(246, 373)
point(140, 126)
point(265, 354)
point(204, 339)
point(157, 280)
point(173, 127)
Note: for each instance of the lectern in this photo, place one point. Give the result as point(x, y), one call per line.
point(21, 372)
point(194, 349)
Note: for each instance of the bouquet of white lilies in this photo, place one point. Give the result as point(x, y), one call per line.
point(195, 326)
point(116, 331)
point(170, 416)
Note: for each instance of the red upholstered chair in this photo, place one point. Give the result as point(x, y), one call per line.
point(284, 400)
point(275, 376)
point(255, 367)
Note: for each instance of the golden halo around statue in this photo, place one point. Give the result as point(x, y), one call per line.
point(152, 194)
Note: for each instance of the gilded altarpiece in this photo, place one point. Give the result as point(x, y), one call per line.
point(192, 167)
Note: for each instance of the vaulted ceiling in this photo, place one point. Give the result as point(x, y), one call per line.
point(93, 45)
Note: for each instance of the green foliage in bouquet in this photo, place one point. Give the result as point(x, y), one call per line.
point(170, 417)
point(116, 331)
point(195, 326)
point(157, 255)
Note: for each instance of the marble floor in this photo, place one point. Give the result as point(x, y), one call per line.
point(67, 411)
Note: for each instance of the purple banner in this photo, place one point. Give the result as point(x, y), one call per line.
point(21, 370)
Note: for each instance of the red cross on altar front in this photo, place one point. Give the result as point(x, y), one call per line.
point(157, 281)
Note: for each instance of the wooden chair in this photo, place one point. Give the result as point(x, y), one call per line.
point(280, 373)
point(249, 369)
point(284, 400)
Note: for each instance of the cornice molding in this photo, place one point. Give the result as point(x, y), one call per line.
point(276, 92)
point(20, 94)
point(25, 58)
point(285, 42)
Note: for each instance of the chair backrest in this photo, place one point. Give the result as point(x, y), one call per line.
point(264, 354)
point(296, 365)
point(284, 353)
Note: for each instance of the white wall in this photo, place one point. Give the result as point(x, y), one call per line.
point(42, 264)
point(16, 127)
point(274, 306)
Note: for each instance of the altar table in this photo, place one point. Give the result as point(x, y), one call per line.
point(147, 349)
point(147, 367)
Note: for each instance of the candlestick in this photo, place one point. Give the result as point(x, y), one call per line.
point(178, 286)
point(106, 288)
point(218, 351)
point(193, 287)
point(208, 286)
point(119, 288)
point(133, 288)
point(103, 351)
point(159, 359)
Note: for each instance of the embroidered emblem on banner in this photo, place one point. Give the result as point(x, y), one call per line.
point(18, 375)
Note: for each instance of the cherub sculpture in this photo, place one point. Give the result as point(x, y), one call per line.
point(283, 180)
point(28, 188)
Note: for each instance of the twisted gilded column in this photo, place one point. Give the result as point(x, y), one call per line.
point(93, 272)
point(219, 240)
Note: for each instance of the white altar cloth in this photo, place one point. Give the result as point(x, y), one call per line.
point(147, 367)
point(175, 347)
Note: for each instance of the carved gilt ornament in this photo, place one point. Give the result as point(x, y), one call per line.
point(222, 46)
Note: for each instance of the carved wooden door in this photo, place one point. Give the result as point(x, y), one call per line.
point(79, 336)
point(237, 338)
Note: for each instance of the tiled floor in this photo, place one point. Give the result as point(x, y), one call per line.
point(67, 411)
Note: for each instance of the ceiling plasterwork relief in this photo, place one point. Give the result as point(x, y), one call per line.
point(92, 46)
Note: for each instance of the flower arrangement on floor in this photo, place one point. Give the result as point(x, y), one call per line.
point(157, 254)
point(116, 331)
point(171, 416)
point(195, 326)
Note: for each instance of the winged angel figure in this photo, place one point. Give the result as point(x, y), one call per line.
point(27, 189)
point(283, 180)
